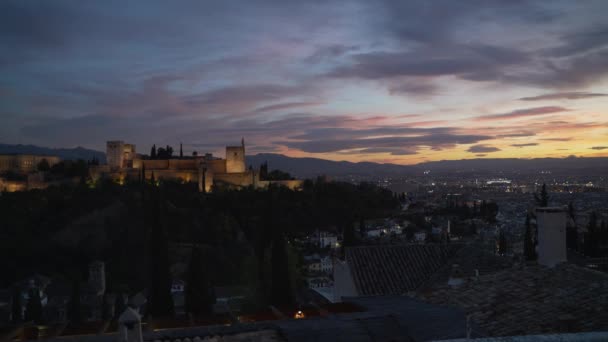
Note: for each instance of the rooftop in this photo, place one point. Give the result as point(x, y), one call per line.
point(531, 300)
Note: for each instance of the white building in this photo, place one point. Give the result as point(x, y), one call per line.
point(327, 239)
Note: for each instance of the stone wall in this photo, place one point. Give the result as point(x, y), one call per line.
point(24, 162)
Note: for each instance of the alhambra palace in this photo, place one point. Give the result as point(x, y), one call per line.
point(206, 170)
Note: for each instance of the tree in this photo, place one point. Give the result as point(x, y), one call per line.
point(44, 165)
point(160, 301)
point(281, 281)
point(17, 309)
point(75, 309)
point(153, 152)
point(181, 151)
point(592, 236)
point(33, 308)
point(529, 248)
point(199, 294)
point(119, 305)
point(542, 200)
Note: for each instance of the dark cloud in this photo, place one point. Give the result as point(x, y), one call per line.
point(288, 105)
point(572, 95)
point(328, 53)
point(482, 149)
point(580, 42)
point(445, 61)
point(522, 113)
point(335, 145)
point(524, 145)
point(599, 148)
point(556, 139)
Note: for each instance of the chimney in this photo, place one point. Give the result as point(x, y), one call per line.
point(129, 326)
point(551, 222)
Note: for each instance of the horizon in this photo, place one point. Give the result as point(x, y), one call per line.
point(388, 82)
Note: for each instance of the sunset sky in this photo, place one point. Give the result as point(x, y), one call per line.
point(383, 81)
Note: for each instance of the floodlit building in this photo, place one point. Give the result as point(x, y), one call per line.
point(206, 170)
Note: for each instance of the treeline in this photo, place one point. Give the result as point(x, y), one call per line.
point(225, 238)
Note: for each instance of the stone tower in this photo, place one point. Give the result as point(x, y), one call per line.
point(235, 158)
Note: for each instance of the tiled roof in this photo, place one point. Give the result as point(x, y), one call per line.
point(531, 300)
point(396, 269)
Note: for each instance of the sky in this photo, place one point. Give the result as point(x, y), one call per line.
point(389, 81)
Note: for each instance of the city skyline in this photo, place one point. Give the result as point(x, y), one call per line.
point(384, 82)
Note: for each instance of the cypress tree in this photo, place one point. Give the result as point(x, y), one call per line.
point(199, 294)
point(33, 308)
point(281, 282)
point(181, 151)
point(119, 305)
point(160, 301)
point(529, 249)
point(591, 238)
point(542, 200)
point(74, 310)
point(153, 152)
point(16, 306)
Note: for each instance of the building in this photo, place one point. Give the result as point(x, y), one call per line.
point(206, 170)
point(24, 163)
point(119, 155)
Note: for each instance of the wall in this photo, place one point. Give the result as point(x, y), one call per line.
point(291, 184)
point(24, 162)
point(243, 179)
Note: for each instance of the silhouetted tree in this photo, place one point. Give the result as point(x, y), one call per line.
point(33, 308)
point(153, 152)
point(75, 308)
point(529, 248)
point(119, 305)
point(44, 165)
point(592, 236)
point(542, 199)
point(16, 306)
point(264, 170)
point(281, 281)
point(199, 294)
point(160, 302)
point(181, 151)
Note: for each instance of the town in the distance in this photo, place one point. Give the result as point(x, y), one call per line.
point(164, 245)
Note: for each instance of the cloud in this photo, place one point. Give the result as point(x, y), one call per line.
point(556, 139)
point(572, 95)
point(522, 113)
point(427, 140)
point(524, 145)
point(599, 148)
point(482, 149)
point(288, 105)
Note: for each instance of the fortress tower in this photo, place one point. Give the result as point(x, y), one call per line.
point(119, 155)
point(235, 158)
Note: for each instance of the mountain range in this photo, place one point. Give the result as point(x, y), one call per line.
point(63, 153)
point(312, 167)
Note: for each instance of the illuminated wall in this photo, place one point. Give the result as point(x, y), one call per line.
point(24, 162)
